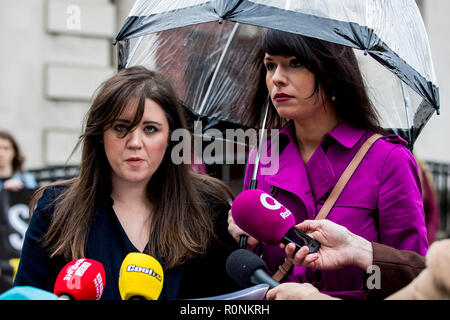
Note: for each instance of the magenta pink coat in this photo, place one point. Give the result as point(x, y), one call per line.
point(382, 202)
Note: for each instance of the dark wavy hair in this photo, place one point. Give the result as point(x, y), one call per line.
point(182, 224)
point(18, 160)
point(336, 72)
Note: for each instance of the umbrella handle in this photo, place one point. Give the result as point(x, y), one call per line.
point(243, 242)
point(254, 181)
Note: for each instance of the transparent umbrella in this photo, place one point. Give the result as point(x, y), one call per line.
point(206, 48)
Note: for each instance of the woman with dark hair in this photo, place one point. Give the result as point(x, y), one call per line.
point(319, 102)
point(12, 175)
point(131, 197)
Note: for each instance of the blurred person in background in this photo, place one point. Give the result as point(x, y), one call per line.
point(12, 175)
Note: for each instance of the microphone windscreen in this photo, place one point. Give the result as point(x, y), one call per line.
point(27, 293)
point(81, 279)
point(241, 265)
point(141, 276)
point(262, 216)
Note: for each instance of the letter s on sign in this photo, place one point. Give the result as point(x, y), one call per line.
point(16, 216)
point(275, 206)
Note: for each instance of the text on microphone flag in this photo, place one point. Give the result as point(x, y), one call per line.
point(98, 283)
point(151, 272)
point(275, 206)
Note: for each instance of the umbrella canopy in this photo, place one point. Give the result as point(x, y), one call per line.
point(205, 47)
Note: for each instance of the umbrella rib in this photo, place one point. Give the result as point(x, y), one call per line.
point(288, 5)
point(134, 52)
point(261, 139)
point(407, 106)
point(216, 71)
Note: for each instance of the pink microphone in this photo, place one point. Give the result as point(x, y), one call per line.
point(263, 217)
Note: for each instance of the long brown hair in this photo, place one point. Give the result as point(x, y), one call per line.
point(18, 160)
point(336, 72)
point(182, 223)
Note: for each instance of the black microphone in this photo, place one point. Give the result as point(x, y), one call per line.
point(247, 269)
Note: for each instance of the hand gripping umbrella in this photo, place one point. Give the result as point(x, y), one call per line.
point(206, 48)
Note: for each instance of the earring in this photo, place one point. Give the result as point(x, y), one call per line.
point(333, 98)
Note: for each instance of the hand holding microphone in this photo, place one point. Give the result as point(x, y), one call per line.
point(339, 247)
point(237, 234)
point(264, 218)
point(141, 277)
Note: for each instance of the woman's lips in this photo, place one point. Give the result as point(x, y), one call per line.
point(135, 161)
point(280, 97)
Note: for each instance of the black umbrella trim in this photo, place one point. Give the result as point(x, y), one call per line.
point(134, 26)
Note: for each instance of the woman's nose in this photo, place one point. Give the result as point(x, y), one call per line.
point(134, 139)
point(279, 77)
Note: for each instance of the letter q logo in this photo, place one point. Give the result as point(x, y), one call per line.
point(275, 206)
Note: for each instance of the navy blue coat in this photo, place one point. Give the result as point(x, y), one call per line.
point(108, 243)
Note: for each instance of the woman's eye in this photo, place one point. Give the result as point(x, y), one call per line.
point(149, 129)
point(294, 63)
point(270, 66)
point(120, 128)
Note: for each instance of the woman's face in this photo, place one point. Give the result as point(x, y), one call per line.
point(6, 153)
point(135, 157)
point(291, 87)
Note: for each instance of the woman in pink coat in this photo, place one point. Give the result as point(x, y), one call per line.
point(319, 102)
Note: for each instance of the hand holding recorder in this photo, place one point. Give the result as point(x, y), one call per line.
point(339, 247)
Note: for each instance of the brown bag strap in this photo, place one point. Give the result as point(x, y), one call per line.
point(334, 195)
point(345, 177)
point(282, 270)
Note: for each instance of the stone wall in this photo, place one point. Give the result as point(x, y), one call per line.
point(55, 54)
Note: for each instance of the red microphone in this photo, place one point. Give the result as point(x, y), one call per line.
point(81, 279)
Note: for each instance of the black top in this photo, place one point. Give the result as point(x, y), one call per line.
point(108, 243)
